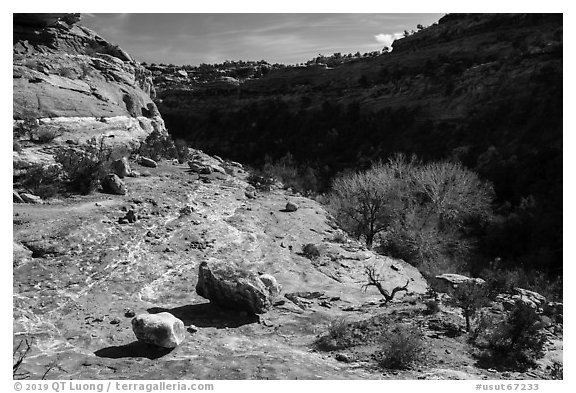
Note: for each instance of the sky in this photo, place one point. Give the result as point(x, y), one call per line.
point(277, 38)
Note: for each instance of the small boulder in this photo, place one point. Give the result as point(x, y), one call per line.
point(112, 184)
point(121, 167)
point(31, 198)
point(291, 207)
point(233, 287)
point(147, 162)
point(186, 210)
point(271, 284)
point(131, 216)
point(342, 357)
point(162, 329)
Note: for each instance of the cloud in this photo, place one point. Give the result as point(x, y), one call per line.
point(388, 39)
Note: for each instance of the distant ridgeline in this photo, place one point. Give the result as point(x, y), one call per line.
point(482, 89)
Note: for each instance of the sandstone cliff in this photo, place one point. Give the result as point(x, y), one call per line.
point(70, 81)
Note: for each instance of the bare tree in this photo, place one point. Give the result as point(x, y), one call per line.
point(374, 280)
point(422, 213)
point(365, 203)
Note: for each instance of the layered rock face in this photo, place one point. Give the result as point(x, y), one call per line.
point(71, 83)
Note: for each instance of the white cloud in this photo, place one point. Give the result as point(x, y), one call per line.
point(388, 39)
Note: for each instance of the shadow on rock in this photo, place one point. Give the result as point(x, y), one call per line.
point(208, 315)
point(136, 349)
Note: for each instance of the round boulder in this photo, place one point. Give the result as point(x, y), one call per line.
point(291, 207)
point(162, 329)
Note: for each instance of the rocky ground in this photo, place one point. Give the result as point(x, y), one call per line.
point(81, 273)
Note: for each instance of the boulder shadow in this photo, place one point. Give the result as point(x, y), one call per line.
point(136, 349)
point(209, 315)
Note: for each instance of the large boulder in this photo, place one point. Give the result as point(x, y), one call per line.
point(231, 286)
point(112, 184)
point(448, 281)
point(162, 329)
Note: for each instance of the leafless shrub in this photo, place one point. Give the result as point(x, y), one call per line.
point(374, 280)
point(335, 336)
point(18, 356)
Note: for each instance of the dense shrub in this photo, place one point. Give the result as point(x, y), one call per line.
point(84, 166)
point(16, 146)
point(260, 180)
point(422, 213)
point(503, 280)
point(182, 150)
point(514, 343)
point(300, 178)
point(45, 134)
point(557, 371)
point(311, 251)
point(432, 306)
point(402, 349)
point(158, 146)
point(25, 128)
point(42, 180)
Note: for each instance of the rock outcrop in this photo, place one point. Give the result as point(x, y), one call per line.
point(72, 84)
point(231, 286)
point(163, 329)
point(448, 281)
